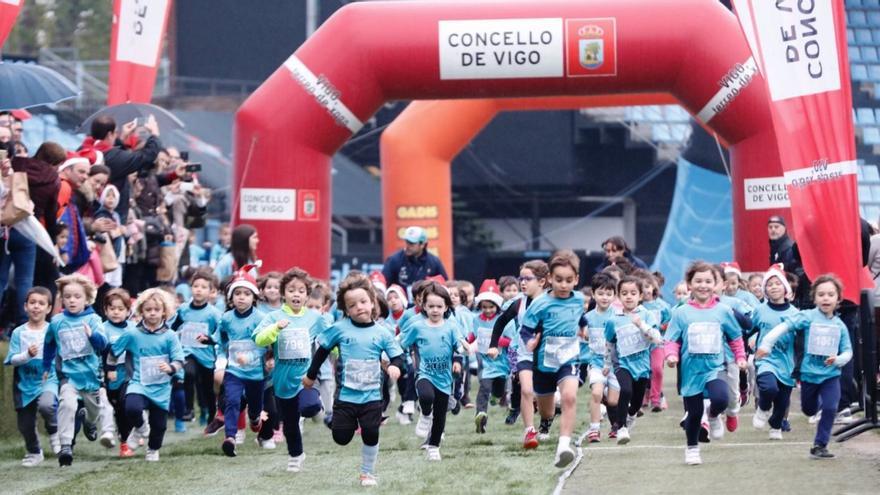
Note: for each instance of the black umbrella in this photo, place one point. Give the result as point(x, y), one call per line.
point(126, 112)
point(31, 85)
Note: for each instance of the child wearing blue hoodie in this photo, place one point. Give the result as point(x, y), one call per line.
point(73, 345)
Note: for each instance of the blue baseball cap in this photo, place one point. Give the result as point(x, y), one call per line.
point(415, 235)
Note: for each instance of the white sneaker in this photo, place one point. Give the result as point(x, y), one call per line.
point(775, 434)
point(368, 479)
point(692, 456)
point(152, 455)
point(108, 439)
point(844, 417)
point(433, 453)
point(564, 455)
point(295, 464)
point(136, 437)
point(423, 427)
point(403, 418)
point(622, 436)
point(240, 437)
point(409, 407)
point(31, 460)
point(266, 444)
point(630, 421)
point(815, 418)
point(55, 443)
point(716, 428)
point(759, 420)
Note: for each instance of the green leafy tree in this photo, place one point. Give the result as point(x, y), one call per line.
point(80, 24)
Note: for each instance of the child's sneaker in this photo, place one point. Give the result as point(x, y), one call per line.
point(125, 451)
point(815, 418)
point(65, 456)
point(480, 421)
point(612, 434)
point(820, 452)
point(367, 480)
point(512, 416)
point(268, 444)
point(31, 460)
point(152, 455)
point(295, 464)
point(214, 427)
point(179, 426)
point(786, 426)
point(108, 439)
point(136, 437)
point(622, 436)
point(732, 423)
point(530, 440)
point(716, 429)
point(692, 456)
point(564, 456)
point(402, 418)
point(257, 425)
point(704, 433)
point(203, 417)
point(759, 420)
point(229, 447)
point(240, 437)
point(594, 436)
point(408, 407)
point(544, 429)
point(775, 434)
point(423, 426)
point(433, 454)
point(55, 443)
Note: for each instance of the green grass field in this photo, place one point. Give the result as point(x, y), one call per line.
point(494, 463)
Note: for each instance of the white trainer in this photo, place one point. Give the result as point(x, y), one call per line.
point(775, 434)
point(152, 455)
point(368, 479)
point(564, 456)
point(31, 460)
point(622, 436)
point(759, 420)
point(433, 453)
point(716, 428)
point(295, 464)
point(692, 456)
point(423, 427)
point(409, 407)
point(240, 437)
point(403, 418)
point(266, 444)
point(108, 439)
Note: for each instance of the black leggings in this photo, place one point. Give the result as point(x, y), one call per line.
point(117, 400)
point(632, 392)
point(718, 398)
point(515, 392)
point(289, 410)
point(135, 405)
point(433, 402)
point(270, 405)
point(348, 416)
point(199, 383)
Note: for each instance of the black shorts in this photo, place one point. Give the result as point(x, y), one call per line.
point(348, 415)
point(545, 383)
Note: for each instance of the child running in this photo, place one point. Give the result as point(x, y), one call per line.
point(31, 394)
point(436, 341)
point(694, 339)
point(774, 372)
point(827, 349)
point(493, 377)
point(602, 385)
point(73, 345)
point(550, 331)
point(155, 354)
point(117, 307)
point(630, 333)
point(361, 343)
point(291, 332)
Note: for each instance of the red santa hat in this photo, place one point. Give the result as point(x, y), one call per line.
point(776, 270)
point(489, 291)
point(732, 267)
point(243, 278)
point(437, 278)
point(95, 157)
point(73, 158)
point(399, 291)
point(379, 281)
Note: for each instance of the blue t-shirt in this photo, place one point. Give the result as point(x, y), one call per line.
point(660, 312)
point(360, 351)
point(114, 331)
point(780, 361)
point(292, 346)
point(482, 333)
point(595, 342)
point(748, 298)
point(633, 348)
point(146, 351)
point(189, 322)
point(823, 337)
point(435, 347)
point(701, 333)
point(27, 381)
point(79, 355)
point(235, 337)
point(558, 322)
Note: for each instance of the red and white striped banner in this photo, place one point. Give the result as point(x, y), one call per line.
point(801, 49)
point(9, 10)
point(135, 47)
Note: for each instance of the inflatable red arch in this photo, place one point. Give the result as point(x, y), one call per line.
point(287, 131)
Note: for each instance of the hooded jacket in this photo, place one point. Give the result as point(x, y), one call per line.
point(43, 184)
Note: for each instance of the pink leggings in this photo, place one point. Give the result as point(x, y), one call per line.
point(657, 358)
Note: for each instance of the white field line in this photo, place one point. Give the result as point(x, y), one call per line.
point(708, 447)
point(560, 485)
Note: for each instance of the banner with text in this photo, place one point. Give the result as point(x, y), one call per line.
point(801, 50)
point(135, 46)
point(9, 10)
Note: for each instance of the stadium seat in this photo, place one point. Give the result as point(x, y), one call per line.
point(869, 53)
point(871, 135)
point(856, 18)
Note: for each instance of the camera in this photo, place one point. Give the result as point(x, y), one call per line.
point(184, 155)
point(193, 167)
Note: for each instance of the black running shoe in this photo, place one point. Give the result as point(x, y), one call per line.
point(820, 452)
point(512, 416)
point(229, 447)
point(65, 456)
point(544, 429)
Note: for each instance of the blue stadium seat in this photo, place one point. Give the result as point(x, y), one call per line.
point(871, 4)
point(859, 72)
point(853, 3)
point(854, 54)
point(870, 173)
point(874, 18)
point(876, 36)
point(869, 53)
point(661, 133)
point(680, 132)
point(865, 116)
point(877, 113)
point(865, 194)
point(850, 36)
point(863, 37)
point(875, 192)
point(871, 136)
point(654, 113)
point(856, 18)
point(872, 212)
point(874, 72)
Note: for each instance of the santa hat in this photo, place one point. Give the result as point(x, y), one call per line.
point(379, 281)
point(489, 291)
point(732, 267)
point(399, 291)
point(776, 270)
point(73, 159)
point(243, 278)
point(94, 156)
point(437, 278)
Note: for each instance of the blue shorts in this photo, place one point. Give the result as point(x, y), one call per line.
point(524, 366)
point(545, 382)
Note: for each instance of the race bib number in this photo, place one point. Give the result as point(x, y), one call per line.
point(150, 372)
point(190, 331)
point(824, 340)
point(27, 339)
point(704, 338)
point(74, 343)
point(597, 340)
point(294, 343)
point(630, 341)
point(560, 350)
point(362, 374)
point(244, 354)
point(484, 337)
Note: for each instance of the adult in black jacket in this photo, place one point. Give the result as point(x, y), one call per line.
point(617, 249)
point(414, 262)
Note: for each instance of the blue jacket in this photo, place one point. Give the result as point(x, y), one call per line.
point(406, 270)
